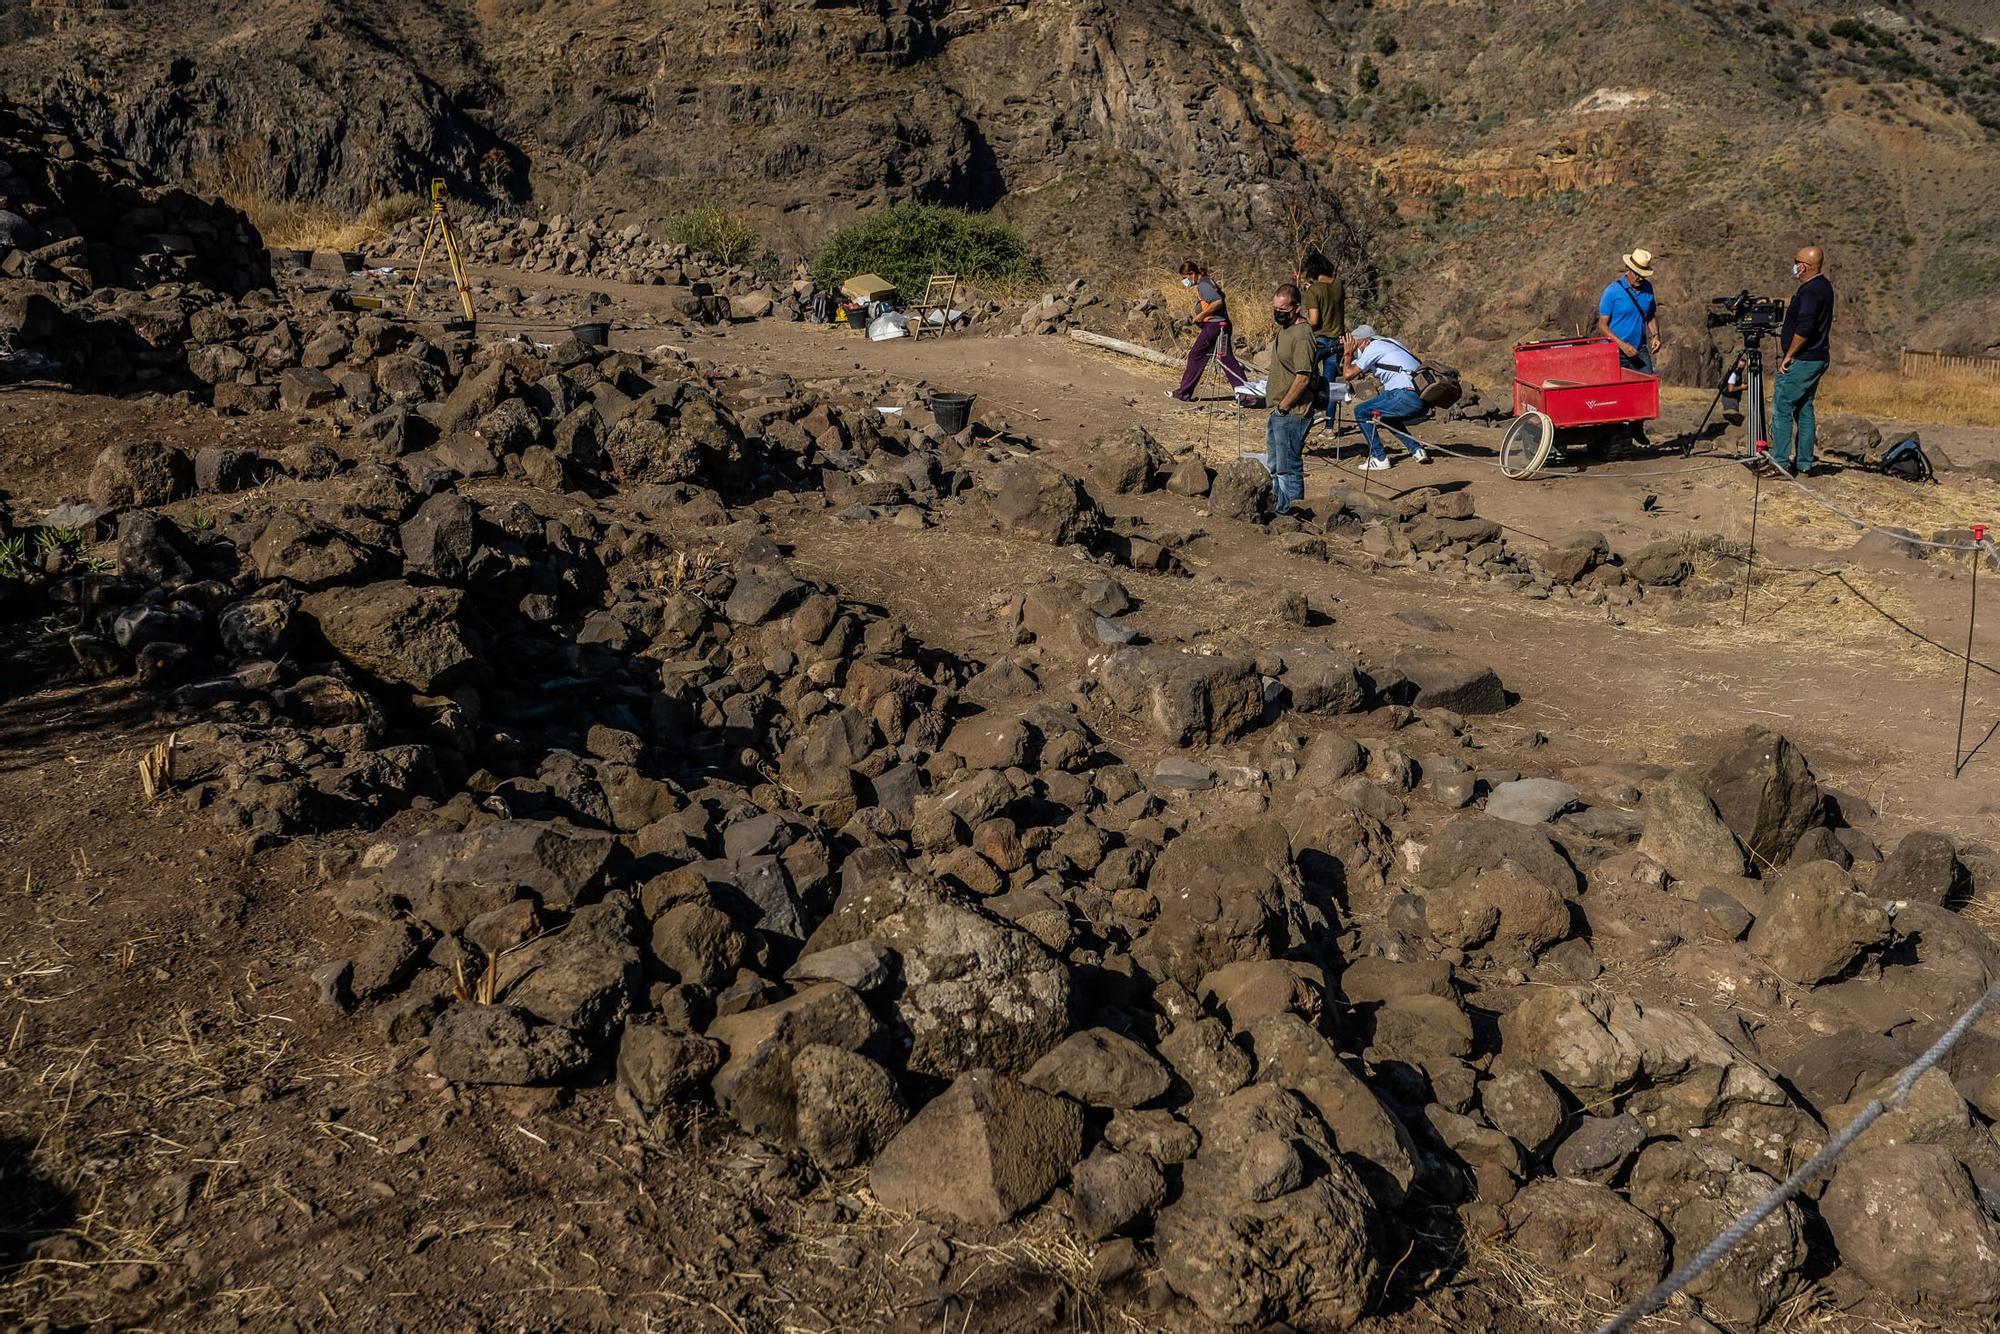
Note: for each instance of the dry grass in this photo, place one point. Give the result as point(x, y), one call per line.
point(297, 226)
point(1554, 1303)
point(1872, 498)
point(1942, 399)
point(241, 175)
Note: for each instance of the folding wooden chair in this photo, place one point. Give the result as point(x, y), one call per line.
point(939, 294)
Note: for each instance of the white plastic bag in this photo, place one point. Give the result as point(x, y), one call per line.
point(889, 324)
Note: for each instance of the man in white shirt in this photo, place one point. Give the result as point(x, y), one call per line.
point(1393, 366)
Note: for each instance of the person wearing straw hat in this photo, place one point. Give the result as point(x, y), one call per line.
point(1627, 313)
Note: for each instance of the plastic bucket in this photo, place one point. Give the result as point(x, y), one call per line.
point(595, 334)
point(953, 411)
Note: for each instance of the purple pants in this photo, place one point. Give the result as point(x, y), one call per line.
point(1205, 342)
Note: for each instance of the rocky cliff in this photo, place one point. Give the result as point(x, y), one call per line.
point(1478, 164)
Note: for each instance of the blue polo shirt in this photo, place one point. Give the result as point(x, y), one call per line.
point(1628, 309)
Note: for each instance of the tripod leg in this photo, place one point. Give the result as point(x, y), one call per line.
point(417, 278)
point(458, 277)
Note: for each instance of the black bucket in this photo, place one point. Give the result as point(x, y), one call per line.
point(595, 334)
point(953, 411)
point(857, 319)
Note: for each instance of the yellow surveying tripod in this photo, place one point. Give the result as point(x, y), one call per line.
point(441, 227)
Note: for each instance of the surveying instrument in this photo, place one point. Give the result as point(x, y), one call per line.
point(440, 229)
point(1754, 319)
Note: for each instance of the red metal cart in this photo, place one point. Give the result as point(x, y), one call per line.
point(1570, 384)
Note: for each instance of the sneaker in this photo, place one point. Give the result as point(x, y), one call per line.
point(1178, 397)
point(1419, 456)
point(1375, 465)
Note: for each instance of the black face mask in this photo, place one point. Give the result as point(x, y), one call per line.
point(1283, 318)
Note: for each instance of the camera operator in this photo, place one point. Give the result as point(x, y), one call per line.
point(1803, 341)
point(1628, 315)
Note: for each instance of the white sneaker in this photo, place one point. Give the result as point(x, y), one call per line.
point(1418, 456)
point(1375, 465)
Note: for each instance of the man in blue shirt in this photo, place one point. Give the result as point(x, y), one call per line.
point(1804, 344)
point(1628, 315)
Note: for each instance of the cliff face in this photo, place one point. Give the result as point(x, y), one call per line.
point(1484, 162)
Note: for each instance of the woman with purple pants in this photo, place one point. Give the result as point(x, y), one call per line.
point(1211, 333)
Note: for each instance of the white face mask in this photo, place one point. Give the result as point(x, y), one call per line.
point(1187, 282)
point(1798, 269)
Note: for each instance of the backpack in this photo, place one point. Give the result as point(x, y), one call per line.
point(1906, 461)
point(1437, 386)
point(821, 311)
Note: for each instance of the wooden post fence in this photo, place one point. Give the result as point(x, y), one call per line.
point(1914, 364)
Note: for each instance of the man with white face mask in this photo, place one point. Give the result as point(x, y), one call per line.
point(1803, 345)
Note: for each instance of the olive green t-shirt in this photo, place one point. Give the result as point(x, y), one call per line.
point(1328, 296)
point(1291, 355)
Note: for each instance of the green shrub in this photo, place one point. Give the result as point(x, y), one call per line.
point(712, 232)
point(906, 243)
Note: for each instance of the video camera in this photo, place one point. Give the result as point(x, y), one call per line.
point(1752, 316)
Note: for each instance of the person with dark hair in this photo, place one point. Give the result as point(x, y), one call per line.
point(1325, 309)
point(1803, 341)
point(1211, 332)
point(1294, 370)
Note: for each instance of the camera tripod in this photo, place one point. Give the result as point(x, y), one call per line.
point(440, 228)
point(1751, 359)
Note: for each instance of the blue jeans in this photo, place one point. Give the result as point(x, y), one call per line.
point(1284, 455)
point(1641, 360)
point(1792, 402)
point(1328, 352)
point(1393, 405)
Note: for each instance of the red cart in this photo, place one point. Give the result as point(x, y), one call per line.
point(1570, 384)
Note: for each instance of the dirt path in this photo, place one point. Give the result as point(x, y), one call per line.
point(1857, 657)
point(1876, 708)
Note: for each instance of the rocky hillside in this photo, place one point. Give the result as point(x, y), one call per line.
point(1482, 162)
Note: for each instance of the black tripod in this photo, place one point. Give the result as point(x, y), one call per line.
point(1751, 362)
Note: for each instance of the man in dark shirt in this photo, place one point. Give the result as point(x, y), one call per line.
point(1325, 310)
point(1802, 345)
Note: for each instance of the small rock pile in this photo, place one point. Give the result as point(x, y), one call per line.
point(649, 805)
point(101, 266)
point(597, 249)
point(76, 217)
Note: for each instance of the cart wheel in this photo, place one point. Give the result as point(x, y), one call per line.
point(1526, 445)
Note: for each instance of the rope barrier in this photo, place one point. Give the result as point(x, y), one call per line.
point(1749, 1219)
point(1978, 542)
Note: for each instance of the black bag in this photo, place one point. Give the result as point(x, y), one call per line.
point(821, 311)
point(1906, 461)
point(1437, 386)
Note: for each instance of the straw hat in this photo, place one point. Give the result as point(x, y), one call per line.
point(1640, 261)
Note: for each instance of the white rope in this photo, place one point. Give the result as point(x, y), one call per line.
point(1747, 1222)
point(1859, 522)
